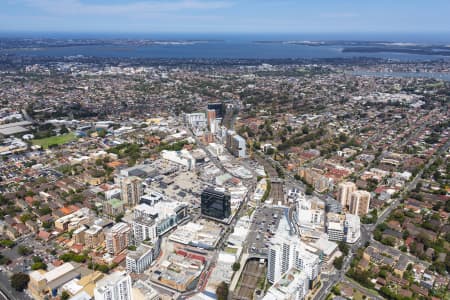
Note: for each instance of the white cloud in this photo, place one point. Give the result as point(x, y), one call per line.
point(139, 8)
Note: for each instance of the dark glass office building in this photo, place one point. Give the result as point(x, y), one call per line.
point(215, 204)
point(219, 108)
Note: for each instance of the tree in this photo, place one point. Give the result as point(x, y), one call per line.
point(388, 240)
point(4, 260)
point(280, 171)
point(363, 277)
point(344, 248)
point(119, 218)
point(377, 235)
point(71, 256)
point(24, 250)
point(45, 210)
point(338, 262)
point(47, 224)
point(101, 133)
point(270, 151)
point(336, 290)
point(7, 243)
point(405, 234)
point(25, 217)
point(409, 267)
point(39, 266)
point(63, 130)
point(65, 295)
point(343, 138)
point(19, 281)
point(309, 190)
point(36, 259)
point(305, 129)
point(222, 291)
point(383, 273)
point(236, 266)
point(131, 162)
point(101, 268)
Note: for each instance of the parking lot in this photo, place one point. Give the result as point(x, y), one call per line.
point(21, 263)
point(265, 223)
point(184, 186)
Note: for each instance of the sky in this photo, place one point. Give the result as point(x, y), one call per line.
point(225, 16)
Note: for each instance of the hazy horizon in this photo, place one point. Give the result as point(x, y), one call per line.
point(224, 16)
point(431, 37)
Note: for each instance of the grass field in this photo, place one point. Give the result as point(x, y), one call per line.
point(230, 250)
point(55, 140)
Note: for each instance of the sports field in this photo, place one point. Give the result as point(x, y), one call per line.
point(55, 140)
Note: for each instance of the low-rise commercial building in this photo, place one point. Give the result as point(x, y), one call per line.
point(342, 227)
point(43, 283)
point(74, 220)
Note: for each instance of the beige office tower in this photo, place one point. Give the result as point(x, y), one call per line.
point(345, 189)
point(359, 203)
point(94, 236)
point(211, 117)
point(131, 190)
point(118, 238)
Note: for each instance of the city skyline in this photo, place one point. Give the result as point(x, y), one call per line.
point(223, 16)
point(224, 149)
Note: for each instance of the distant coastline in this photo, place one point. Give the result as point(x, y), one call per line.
point(23, 44)
point(424, 51)
point(223, 48)
point(373, 46)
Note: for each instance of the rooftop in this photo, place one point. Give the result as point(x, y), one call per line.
point(115, 203)
point(139, 252)
point(53, 274)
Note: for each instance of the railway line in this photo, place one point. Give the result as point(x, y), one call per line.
point(252, 273)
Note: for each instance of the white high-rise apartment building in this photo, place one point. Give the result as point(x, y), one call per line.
point(139, 260)
point(197, 122)
point(144, 228)
point(281, 257)
point(116, 286)
point(292, 286)
point(235, 144)
point(352, 227)
point(307, 262)
point(287, 251)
